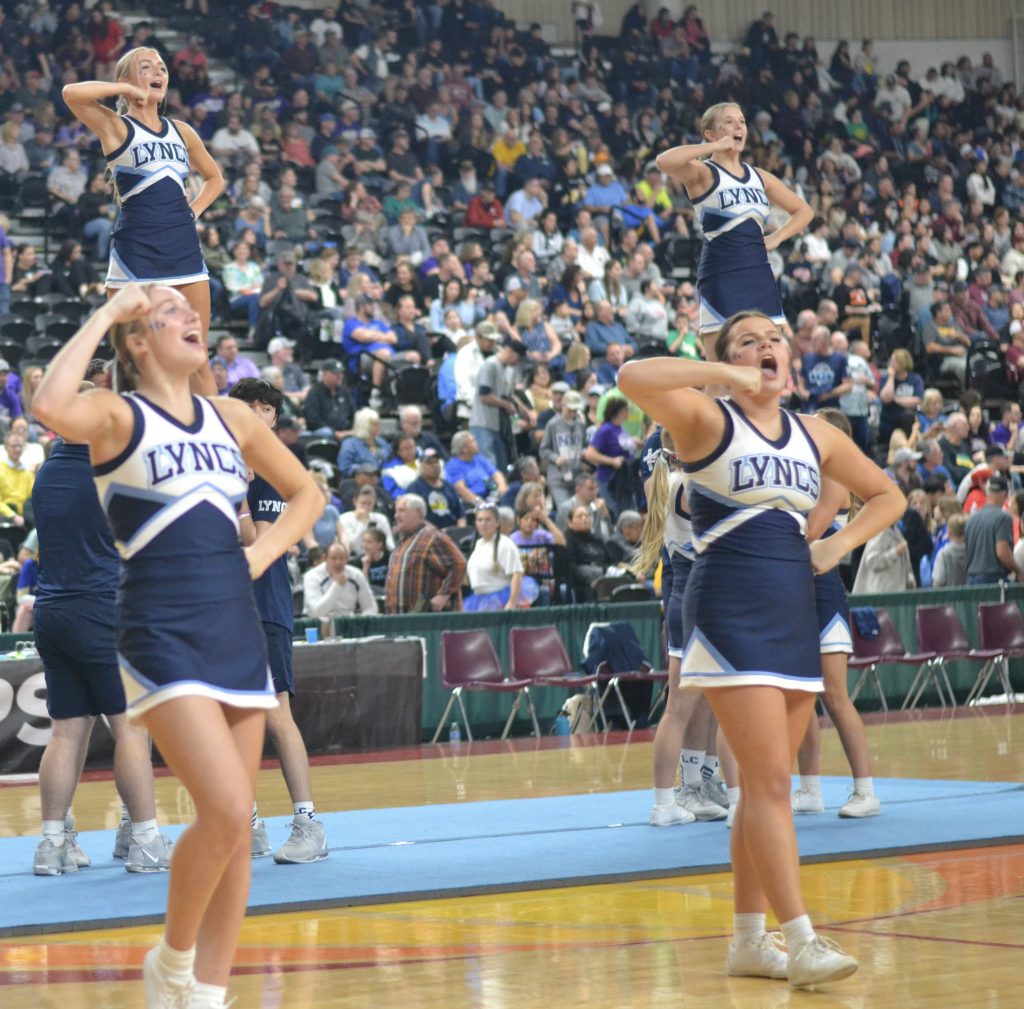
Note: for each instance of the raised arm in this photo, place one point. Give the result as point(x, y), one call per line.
point(98, 417)
point(668, 392)
point(85, 100)
point(685, 163)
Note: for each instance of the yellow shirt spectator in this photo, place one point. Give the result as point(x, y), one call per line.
point(507, 149)
point(15, 481)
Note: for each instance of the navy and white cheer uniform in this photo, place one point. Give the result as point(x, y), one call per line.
point(273, 591)
point(154, 237)
point(187, 622)
point(734, 274)
point(831, 604)
point(748, 611)
point(74, 612)
point(679, 548)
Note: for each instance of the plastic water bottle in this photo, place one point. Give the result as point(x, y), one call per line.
point(455, 733)
point(562, 727)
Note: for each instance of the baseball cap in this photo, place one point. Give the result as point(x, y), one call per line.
point(279, 343)
point(327, 117)
point(367, 134)
point(487, 331)
point(597, 390)
point(333, 366)
point(4, 366)
point(517, 346)
point(573, 400)
point(287, 423)
point(367, 467)
point(905, 455)
point(430, 453)
point(604, 170)
point(991, 451)
point(365, 299)
point(560, 387)
point(286, 256)
point(513, 284)
point(997, 483)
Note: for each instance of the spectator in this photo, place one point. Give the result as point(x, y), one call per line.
point(328, 405)
point(608, 369)
point(296, 383)
point(950, 566)
point(945, 343)
point(931, 465)
point(612, 450)
point(900, 390)
point(29, 278)
point(561, 448)
point(471, 473)
point(287, 302)
point(955, 444)
point(15, 481)
point(484, 209)
point(66, 183)
point(647, 318)
point(885, 564)
point(589, 555)
point(989, 538)
point(604, 199)
point(361, 516)
point(243, 280)
point(855, 404)
point(364, 445)
point(624, 546)
point(1007, 431)
point(335, 588)
point(401, 469)
point(824, 371)
point(410, 422)
point(408, 239)
point(468, 361)
point(369, 344)
point(495, 569)
point(376, 558)
point(525, 206)
point(233, 145)
point(426, 568)
point(606, 329)
point(237, 365)
point(587, 493)
point(494, 406)
point(444, 509)
point(968, 315)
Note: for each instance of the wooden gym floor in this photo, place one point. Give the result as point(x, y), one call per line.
point(930, 930)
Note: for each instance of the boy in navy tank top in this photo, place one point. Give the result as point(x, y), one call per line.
point(308, 841)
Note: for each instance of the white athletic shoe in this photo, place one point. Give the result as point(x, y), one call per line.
point(696, 800)
point(161, 992)
point(818, 962)
point(763, 956)
point(260, 840)
point(153, 855)
point(732, 814)
point(123, 839)
point(75, 853)
point(306, 843)
point(52, 859)
point(808, 800)
point(861, 804)
point(718, 793)
point(670, 814)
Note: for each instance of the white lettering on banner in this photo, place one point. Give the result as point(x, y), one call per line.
point(32, 701)
point(6, 698)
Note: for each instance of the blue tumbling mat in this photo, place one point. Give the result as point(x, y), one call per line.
point(425, 852)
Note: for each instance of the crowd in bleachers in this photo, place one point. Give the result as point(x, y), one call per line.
point(428, 208)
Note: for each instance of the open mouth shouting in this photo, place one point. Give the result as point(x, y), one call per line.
point(769, 367)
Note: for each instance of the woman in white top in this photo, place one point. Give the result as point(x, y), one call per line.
point(495, 569)
point(354, 523)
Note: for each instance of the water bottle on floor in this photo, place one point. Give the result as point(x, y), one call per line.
point(455, 733)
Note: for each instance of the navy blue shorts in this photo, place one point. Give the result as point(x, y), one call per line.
point(77, 643)
point(279, 657)
point(681, 566)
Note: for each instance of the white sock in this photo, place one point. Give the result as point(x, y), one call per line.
point(143, 831)
point(864, 786)
point(207, 996)
point(304, 808)
point(54, 830)
point(175, 964)
point(747, 926)
point(69, 820)
point(664, 796)
point(709, 768)
point(255, 816)
point(811, 781)
point(734, 795)
point(125, 815)
point(689, 765)
point(798, 932)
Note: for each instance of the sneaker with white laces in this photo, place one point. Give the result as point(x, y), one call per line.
point(52, 859)
point(861, 804)
point(260, 840)
point(161, 992)
point(669, 815)
point(695, 800)
point(762, 956)
point(79, 857)
point(808, 800)
point(718, 793)
point(153, 855)
point(123, 839)
point(819, 961)
point(307, 843)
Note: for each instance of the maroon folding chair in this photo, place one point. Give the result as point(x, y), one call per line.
point(1001, 630)
point(469, 662)
point(614, 682)
point(939, 630)
point(537, 655)
point(870, 653)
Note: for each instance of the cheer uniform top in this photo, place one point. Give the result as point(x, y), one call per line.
point(154, 237)
point(748, 610)
point(187, 622)
point(831, 604)
point(734, 274)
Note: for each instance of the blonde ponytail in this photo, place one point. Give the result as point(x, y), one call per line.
point(653, 538)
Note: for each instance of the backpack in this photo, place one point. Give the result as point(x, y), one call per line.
point(614, 645)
